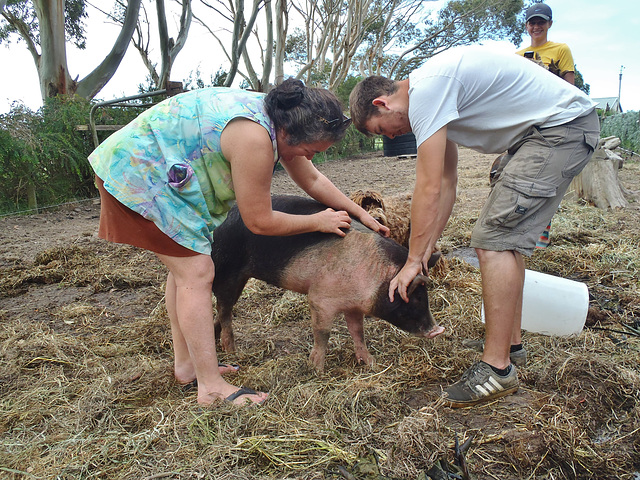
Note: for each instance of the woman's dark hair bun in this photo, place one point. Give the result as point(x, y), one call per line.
point(289, 94)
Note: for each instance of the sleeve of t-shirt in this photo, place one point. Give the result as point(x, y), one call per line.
point(565, 59)
point(433, 103)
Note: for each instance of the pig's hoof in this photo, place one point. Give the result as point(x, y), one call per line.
point(317, 361)
point(368, 360)
point(228, 346)
point(318, 367)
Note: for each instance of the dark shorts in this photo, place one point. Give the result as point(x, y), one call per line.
point(120, 224)
point(530, 183)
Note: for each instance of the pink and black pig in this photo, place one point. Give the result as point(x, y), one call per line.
point(348, 275)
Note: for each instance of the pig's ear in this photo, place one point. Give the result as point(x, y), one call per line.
point(433, 259)
point(388, 306)
point(419, 280)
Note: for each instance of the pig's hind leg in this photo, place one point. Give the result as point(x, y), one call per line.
point(355, 324)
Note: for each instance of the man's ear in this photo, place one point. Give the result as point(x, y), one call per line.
point(381, 102)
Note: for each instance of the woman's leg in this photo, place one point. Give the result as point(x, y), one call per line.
point(184, 370)
point(191, 312)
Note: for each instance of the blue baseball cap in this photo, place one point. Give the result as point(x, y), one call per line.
point(539, 10)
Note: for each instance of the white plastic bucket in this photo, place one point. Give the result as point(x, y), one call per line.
point(552, 305)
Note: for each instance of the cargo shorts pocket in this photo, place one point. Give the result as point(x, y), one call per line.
point(515, 203)
point(575, 163)
point(592, 140)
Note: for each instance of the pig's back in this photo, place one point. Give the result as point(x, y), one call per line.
point(239, 253)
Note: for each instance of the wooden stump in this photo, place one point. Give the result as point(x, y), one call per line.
point(598, 183)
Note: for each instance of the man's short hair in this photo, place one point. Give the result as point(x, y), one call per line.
point(361, 107)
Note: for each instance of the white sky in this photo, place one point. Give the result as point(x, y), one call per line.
point(603, 37)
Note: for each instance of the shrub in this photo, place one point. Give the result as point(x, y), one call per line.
point(625, 126)
point(20, 171)
point(353, 143)
point(43, 158)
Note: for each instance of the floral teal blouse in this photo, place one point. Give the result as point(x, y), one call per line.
point(167, 164)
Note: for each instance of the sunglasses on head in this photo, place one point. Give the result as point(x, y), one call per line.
point(343, 122)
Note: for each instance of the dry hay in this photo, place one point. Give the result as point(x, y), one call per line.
point(87, 390)
point(394, 212)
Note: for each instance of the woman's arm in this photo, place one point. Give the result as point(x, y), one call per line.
point(318, 186)
point(248, 148)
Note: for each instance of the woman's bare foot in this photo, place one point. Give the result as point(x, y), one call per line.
point(228, 368)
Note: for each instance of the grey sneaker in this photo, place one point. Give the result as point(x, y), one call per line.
point(480, 384)
point(519, 358)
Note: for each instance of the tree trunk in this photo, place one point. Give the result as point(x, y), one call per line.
point(90, 85)
point(282, 25)
point(52, 63)
point(32, 200)
point(598, 183)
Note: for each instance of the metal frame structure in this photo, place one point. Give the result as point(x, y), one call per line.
point(173, 88)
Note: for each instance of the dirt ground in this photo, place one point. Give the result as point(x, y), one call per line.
point(87, 388)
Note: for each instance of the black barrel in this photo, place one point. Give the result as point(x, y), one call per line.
point(400, 145)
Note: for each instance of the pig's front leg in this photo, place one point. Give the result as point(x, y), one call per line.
point(321, 322)
point(355, 324)
point(224, 327)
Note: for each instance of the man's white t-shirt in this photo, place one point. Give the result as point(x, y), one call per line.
point(488, 100)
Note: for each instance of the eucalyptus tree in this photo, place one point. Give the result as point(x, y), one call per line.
point(233, 26)
point(169, 46)
point(460, 22)
point(338, 38)
point(325, 41)
point(45, 27)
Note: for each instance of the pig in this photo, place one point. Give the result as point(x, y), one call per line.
point(348, 275)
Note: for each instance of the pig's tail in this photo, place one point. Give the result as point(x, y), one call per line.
point(306, 114)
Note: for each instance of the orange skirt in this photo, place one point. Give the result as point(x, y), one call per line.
point(120, 224)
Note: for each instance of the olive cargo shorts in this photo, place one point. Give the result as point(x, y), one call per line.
point(531, 181)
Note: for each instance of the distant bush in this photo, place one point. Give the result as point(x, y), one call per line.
point(353, 143)
point(625, 126)
point(43, 158)
point(20, 171)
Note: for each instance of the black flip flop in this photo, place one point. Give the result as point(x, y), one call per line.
point(188, 387)
point(243, 391)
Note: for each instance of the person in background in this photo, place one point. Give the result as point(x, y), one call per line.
point(169, 178)
point(490, 102)
point(556, 57)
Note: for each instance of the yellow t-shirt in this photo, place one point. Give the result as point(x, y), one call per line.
point(552, 51)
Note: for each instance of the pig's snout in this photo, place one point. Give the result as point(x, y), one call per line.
point(434, 332)
point(437, 330)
